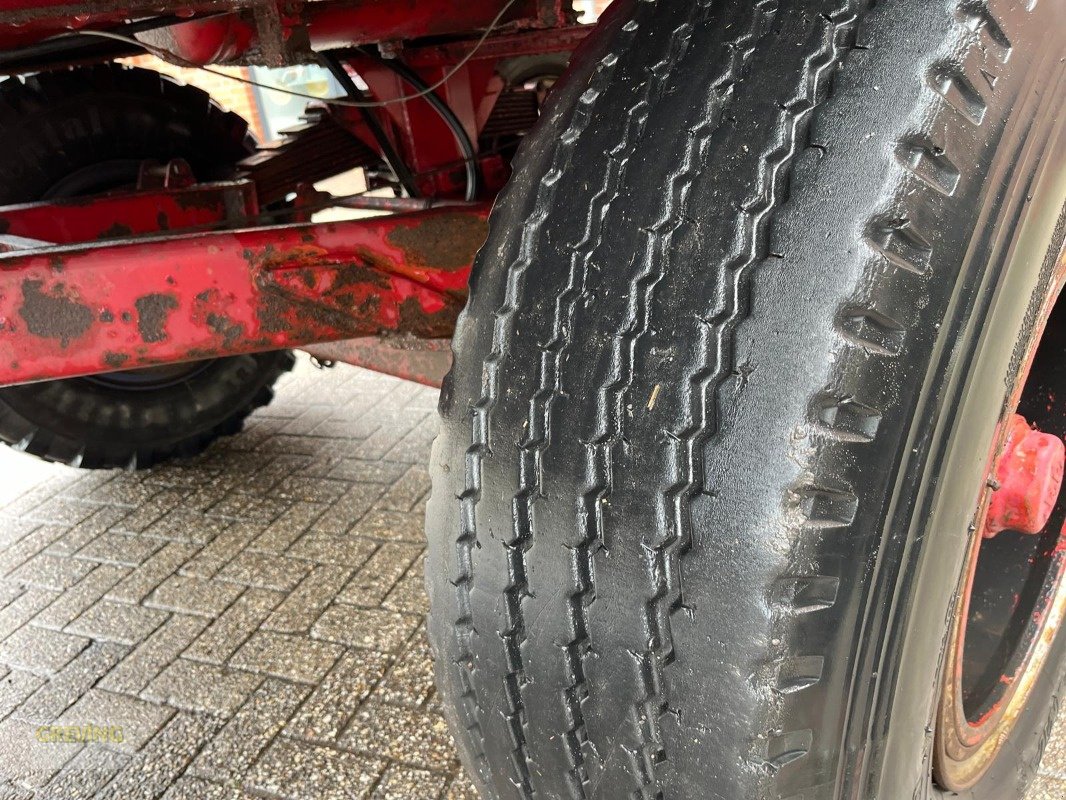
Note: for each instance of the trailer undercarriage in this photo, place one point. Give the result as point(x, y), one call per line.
point(174, 269)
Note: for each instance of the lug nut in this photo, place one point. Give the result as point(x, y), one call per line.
point(1029, 475)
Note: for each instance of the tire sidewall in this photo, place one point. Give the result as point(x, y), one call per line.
point(961, 423)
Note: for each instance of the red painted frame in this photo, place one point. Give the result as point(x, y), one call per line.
point(324, 24)
point(190, 292)
point(86, 309)
point(422, 137)
point(120, 215)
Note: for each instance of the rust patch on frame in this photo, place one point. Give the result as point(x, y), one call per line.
point(54, 315)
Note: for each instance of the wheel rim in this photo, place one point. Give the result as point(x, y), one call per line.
point(104, 176)
point(1013, 592)
point(149, 378)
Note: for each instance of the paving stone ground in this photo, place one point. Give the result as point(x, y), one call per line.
point(252, 620)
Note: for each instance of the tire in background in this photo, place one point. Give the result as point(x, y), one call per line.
point(86, 130)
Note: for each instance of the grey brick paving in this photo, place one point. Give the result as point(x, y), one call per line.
point(253, 618)
point(139, 719)
point(195, 686)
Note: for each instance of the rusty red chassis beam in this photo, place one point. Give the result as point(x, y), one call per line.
point(84, 309)
point(73, 220)
point(271, 28)
point(83, 289)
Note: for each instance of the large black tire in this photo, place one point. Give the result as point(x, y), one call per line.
point(724, 393)
point(61, 132)
point(86, 130)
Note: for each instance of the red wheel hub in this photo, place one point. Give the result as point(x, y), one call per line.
point(1029, 476)
point(1012, 592)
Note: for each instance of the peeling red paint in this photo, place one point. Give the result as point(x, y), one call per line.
point(54, 312)
point(1029, 474)
point(91, 308)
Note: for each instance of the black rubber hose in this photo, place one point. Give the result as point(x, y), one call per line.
point(466, 146)
point(388, 152)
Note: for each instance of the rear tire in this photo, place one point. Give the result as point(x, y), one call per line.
point(87, 130)
point(719, 346)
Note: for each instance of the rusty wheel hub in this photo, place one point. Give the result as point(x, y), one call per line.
point(1012, 600)
point(1027, 483)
